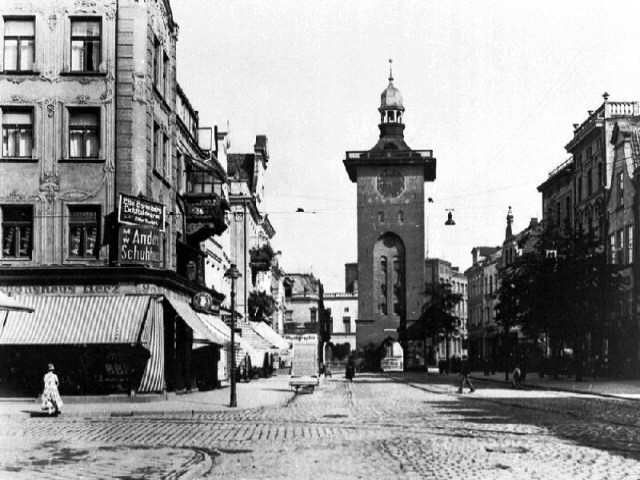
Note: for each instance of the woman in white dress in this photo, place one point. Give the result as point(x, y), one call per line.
point(51, 400)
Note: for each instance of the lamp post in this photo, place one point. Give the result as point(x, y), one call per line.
point(233, 273)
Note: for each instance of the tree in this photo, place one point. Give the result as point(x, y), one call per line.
point(437, 318)
point(563, 289)
point(261, 306)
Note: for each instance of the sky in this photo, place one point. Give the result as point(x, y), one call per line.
point(492, 87)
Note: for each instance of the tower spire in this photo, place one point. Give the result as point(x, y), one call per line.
point(509, 231)
point(390, 70)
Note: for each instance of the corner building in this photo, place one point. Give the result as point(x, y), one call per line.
point(89, 116)
point(391, 248)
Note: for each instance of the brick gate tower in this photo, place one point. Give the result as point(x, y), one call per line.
point(391, 245)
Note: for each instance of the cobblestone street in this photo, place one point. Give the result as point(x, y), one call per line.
point(379, 426)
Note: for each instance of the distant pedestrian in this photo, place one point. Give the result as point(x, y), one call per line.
point(517, 377)
point(351, 369)
point(51, 400)
point(465, 371)
point(487, 367)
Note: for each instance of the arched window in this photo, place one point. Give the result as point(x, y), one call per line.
point(389, 273)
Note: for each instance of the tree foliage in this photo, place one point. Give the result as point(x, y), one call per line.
point(261, 305)
point(563, 288)
point(437, 313)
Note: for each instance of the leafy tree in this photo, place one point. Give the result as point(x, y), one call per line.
point(261, 306)
point(437, 318)
point(563, 288)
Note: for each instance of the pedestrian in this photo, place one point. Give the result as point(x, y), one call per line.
point(517, 377)
point(350, 370)
point(486, 366)
point(51, 400)
point(465, 371)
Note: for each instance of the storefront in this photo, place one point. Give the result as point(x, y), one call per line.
point(105, 339)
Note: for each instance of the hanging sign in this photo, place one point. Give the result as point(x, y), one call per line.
point(139, 245)
point(138, 211)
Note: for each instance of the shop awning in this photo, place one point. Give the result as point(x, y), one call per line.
point(76, 320)
point(201, 333)
point(9, 304)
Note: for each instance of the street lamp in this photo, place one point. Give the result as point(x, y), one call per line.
point(233, 273)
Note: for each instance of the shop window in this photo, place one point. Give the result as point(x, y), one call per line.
point(85, 45)
point(17, 231)
point(19, 45)
point(84, 133)
point(17, 133)
point(83, 232)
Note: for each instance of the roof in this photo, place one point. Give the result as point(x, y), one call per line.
point(304, 284)
point(241, 166)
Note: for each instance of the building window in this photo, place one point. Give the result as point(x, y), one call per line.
point(620, 247)
point(165, 155)
point(600, 176)
point(620, 177)
point(157, 59)
point(346, 324)
point(17, 133)
point(85, 45)
point(155, 147)
point(17, 230)
point(630, 244)
point(84, 133)
point(346, 309)
point(166, 65)
point(400, 216)
point(19, 45)
point(579, 189)
point(314, 315)
point(83, 232)
point(380, 216)
point(612, 249)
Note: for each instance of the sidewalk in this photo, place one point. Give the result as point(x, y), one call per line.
point(616, 388)
point(264, 392)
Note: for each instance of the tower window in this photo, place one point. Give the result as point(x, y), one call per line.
point(400, 216)
point(381, 216)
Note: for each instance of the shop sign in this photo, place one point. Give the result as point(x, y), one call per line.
point(138, 211)
point(139, 245)
point(201, 210)
point(202, 301)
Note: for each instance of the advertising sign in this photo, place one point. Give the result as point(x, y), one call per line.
point(139, 245)
point(138, 211)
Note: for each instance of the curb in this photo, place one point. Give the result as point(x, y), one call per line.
point(533, 386)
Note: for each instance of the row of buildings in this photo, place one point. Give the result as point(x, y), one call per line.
point(120, 213)
point(593, 192)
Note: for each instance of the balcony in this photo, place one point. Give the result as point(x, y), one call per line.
point(190, 263)
point(205, 215)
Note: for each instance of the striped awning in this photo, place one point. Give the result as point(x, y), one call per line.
point(201, 332)
point(76, 320)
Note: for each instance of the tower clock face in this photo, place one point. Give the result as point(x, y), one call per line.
point(390, 183)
